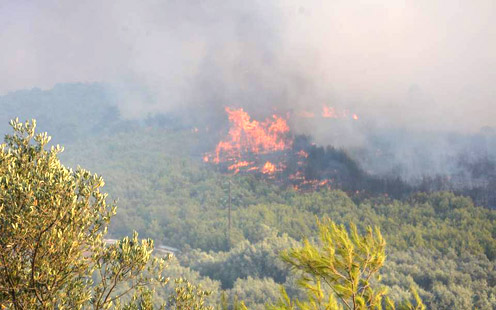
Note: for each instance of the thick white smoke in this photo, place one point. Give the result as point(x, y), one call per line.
point(416, 64)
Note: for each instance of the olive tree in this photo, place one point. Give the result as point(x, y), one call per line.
point(53, 221)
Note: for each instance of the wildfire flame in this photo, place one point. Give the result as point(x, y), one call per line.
point(236, 166)
point(250, 137)
point(302, 154)
point(331, 112)
point(268, 168)
point(264, 147)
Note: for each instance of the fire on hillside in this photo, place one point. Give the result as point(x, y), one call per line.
point(268, 148)
point(250, 143)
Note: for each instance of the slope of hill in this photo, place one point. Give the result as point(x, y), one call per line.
point(441, 242)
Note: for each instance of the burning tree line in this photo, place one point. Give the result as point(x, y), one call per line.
point(269, 150)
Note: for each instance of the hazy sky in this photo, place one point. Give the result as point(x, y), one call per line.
point(417, 63)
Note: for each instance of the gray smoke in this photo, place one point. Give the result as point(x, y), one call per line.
point(421, 65)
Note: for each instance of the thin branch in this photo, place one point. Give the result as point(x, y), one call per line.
point(334, 290)
point(12, 289)
point(33, 261)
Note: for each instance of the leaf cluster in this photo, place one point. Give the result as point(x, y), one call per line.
point(53, 221)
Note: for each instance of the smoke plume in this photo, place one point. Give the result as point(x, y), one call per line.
point(417, 65)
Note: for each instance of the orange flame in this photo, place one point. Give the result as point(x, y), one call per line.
point(329, 112)
point(236, 167)
point(323, 182)
point(302, 154)
point(246, 135)
point(250, 142)
point(268, 168)
point(239, 165)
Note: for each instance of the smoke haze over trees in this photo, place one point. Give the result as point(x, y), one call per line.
point(409, 63)
point(388, 112)
point(408, 67)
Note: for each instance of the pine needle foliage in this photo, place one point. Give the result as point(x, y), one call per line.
point(342, 272)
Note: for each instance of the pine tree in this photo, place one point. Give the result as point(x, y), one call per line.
point(341, 272)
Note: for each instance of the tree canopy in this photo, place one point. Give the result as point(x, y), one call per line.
point(441, 242)
point(53, 221)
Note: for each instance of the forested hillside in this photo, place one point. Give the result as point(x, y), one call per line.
point(440, 242)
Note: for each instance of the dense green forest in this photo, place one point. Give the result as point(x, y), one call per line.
point(439, 242)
